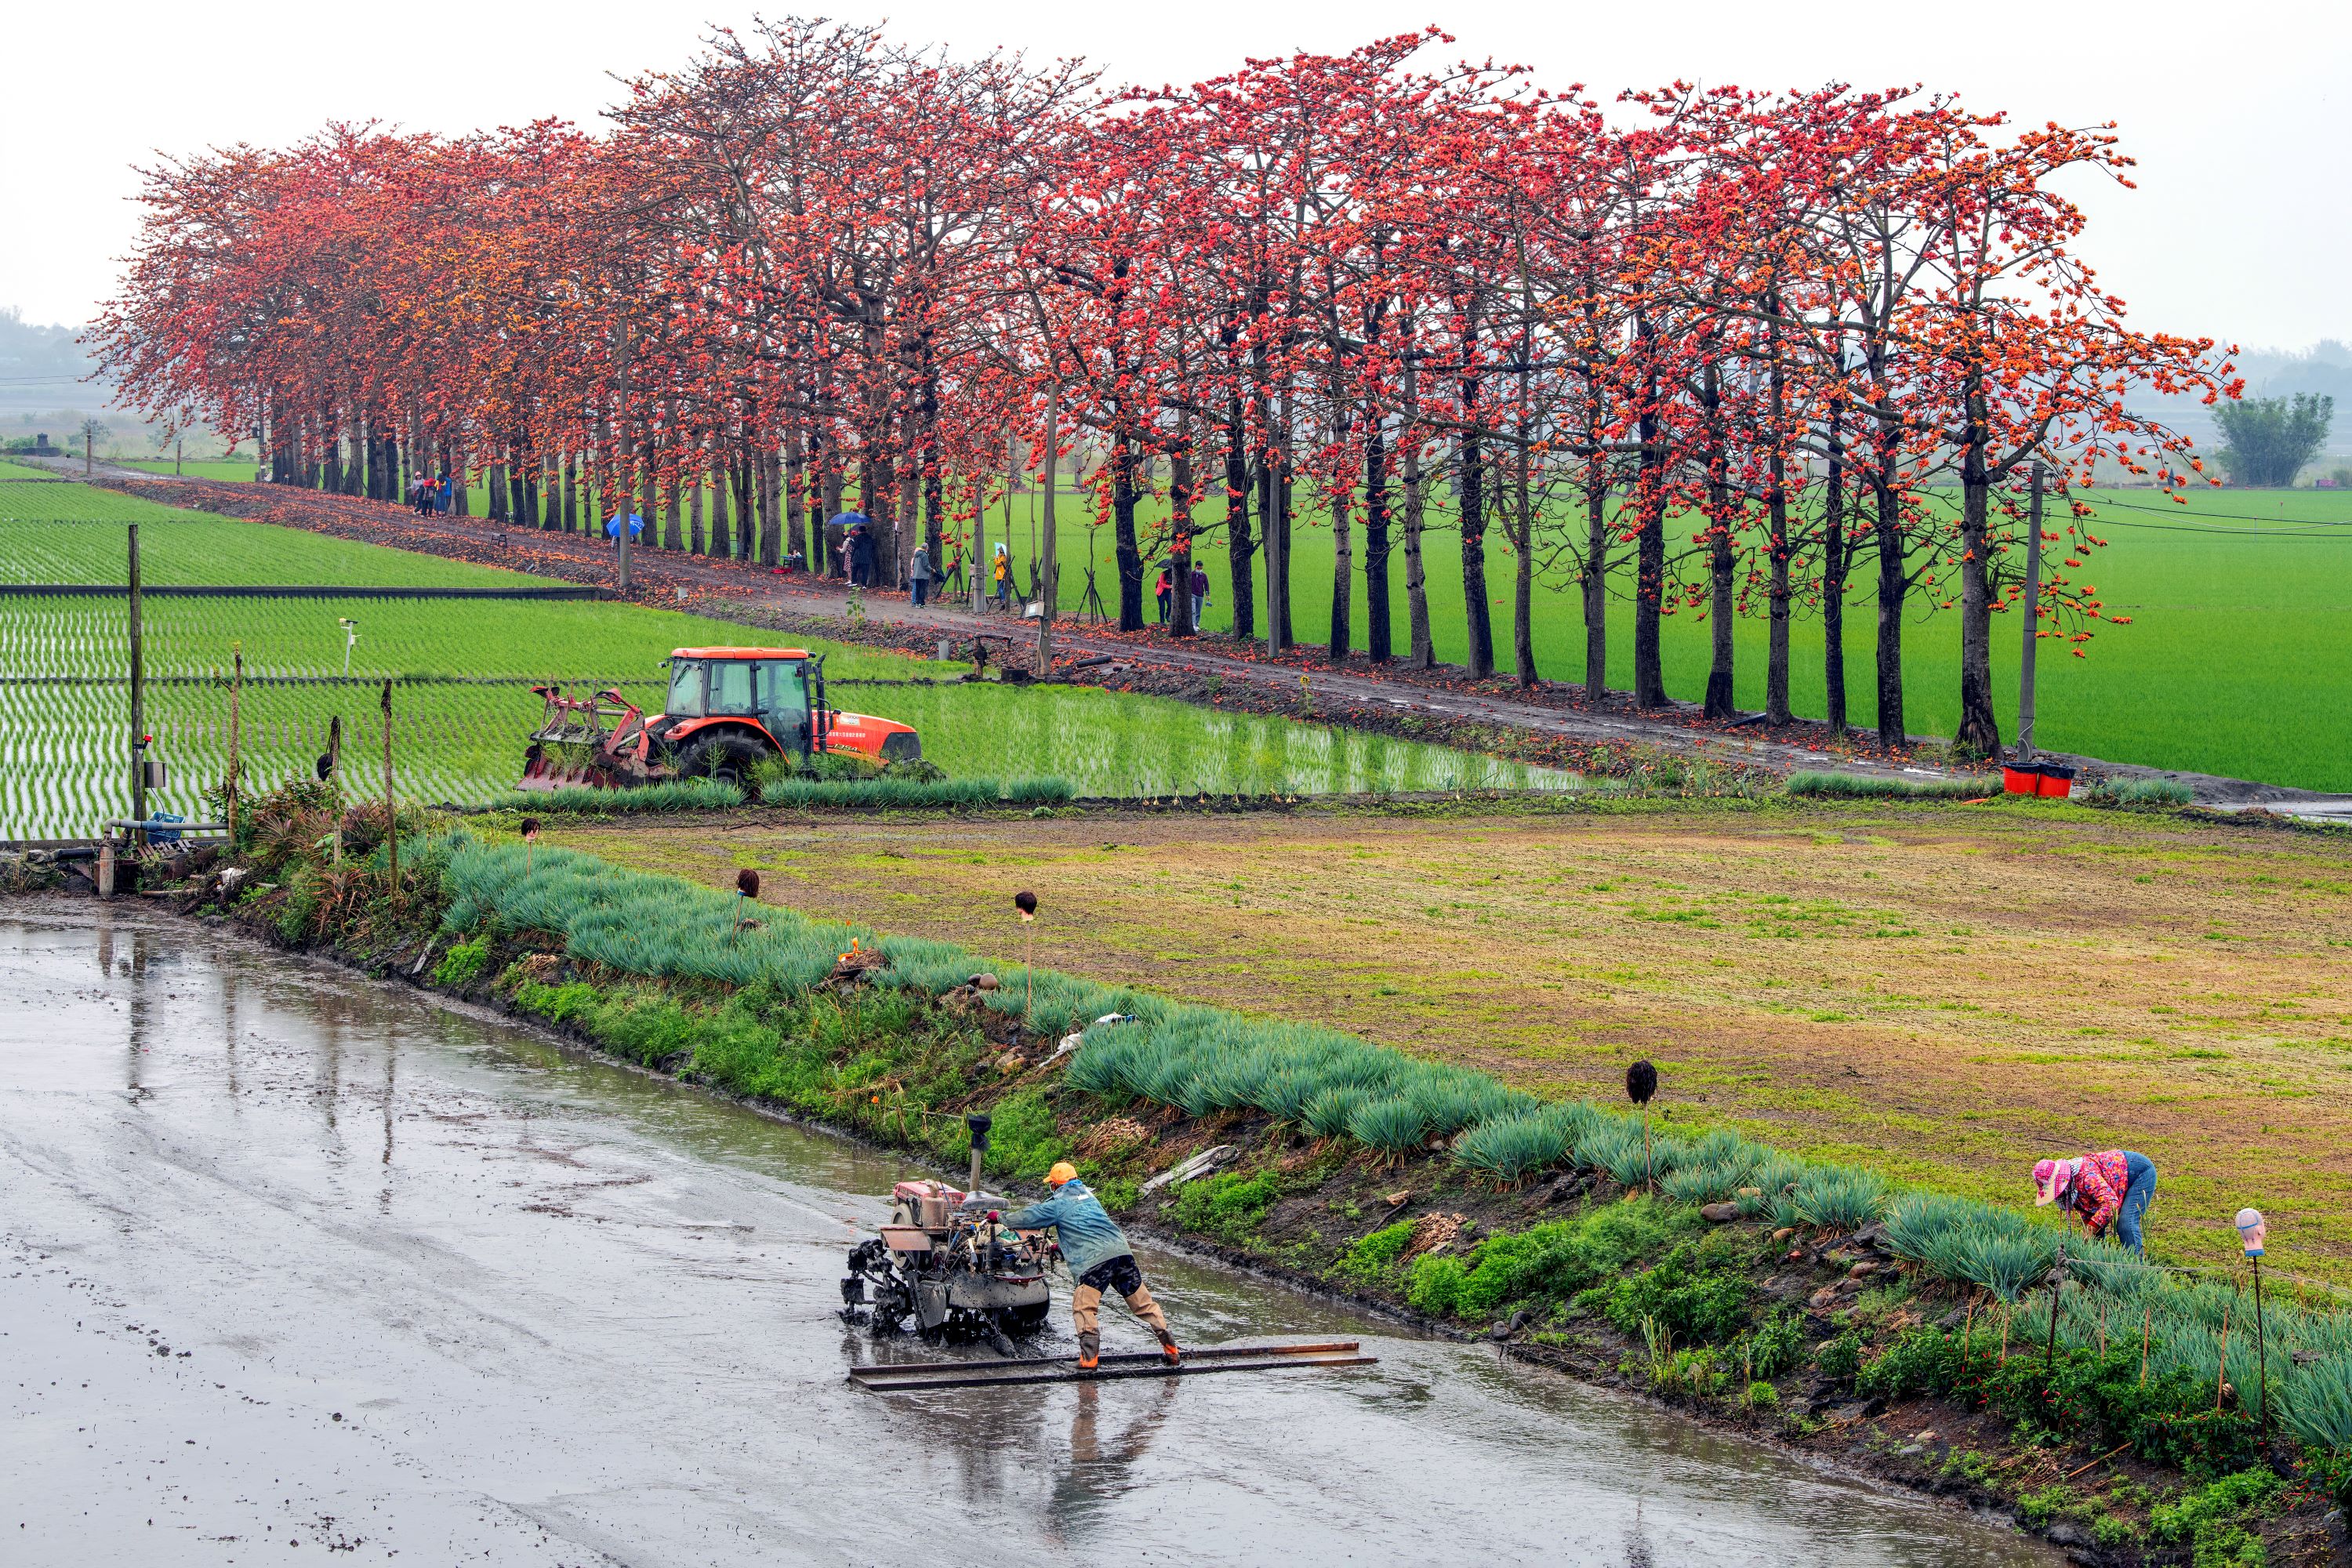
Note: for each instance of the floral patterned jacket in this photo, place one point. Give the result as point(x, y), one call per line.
point(2097, 1194)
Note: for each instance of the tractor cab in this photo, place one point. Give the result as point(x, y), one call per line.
point(727, 709)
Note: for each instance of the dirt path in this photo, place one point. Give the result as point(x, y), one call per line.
point(1939, 993)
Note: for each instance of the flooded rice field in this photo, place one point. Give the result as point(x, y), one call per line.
point(288, 1259)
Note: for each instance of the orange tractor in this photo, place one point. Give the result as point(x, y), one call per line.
point(728, 708)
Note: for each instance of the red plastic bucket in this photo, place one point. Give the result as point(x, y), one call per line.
point(2016, 780)
point(2057, 780)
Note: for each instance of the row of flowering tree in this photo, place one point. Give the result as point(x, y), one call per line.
point(1711, 353)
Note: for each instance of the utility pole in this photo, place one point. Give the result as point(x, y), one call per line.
point(1049, 591)
point(138, 701)
point(628, 455)
point(2033, 620)
point(391, 805)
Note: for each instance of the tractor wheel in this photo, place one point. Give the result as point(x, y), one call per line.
point(730, 758)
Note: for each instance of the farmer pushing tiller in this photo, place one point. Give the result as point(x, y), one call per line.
point(950, 1266)
point(1098, 1255)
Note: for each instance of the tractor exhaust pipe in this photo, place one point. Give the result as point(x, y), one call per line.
point(979, 1123)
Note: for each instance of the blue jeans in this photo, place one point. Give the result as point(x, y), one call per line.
point(916, 588)
point(2137, 1195)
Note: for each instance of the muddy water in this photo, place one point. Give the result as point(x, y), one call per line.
point(286, 1257)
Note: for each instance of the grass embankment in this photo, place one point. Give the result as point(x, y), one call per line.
point(1943, 992)
point(1809, 1300)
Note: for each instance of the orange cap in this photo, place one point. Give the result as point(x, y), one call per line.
point(1061, 1172)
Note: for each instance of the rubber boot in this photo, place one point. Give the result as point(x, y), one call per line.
point(1089, 1351)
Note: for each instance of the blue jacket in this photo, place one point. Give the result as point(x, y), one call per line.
point(1089, 1235)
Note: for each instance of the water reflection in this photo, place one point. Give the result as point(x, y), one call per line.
point(1121, 743)
point(613, 1299)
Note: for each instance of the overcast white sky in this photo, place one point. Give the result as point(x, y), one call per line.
point(2241, 226)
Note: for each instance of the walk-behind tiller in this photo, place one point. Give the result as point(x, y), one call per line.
point(946, 1261)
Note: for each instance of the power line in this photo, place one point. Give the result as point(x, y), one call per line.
point(2239, 516)
point(2318, 532)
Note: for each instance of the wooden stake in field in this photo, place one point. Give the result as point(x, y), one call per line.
point(2221, 1374)
point(331, 773)
point(529, 831)
point(1640, 1083)
point(1025, 902)
point(2057, 1286)
point(2146, 1317)
point(747, 885)
point(235, 732)
point(2251, 1231)
point(390, 810)
point(137, 699)
point(1968, 1334)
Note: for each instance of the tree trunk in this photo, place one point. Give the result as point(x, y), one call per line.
point(771, 520)
point(1343, 543)
point(1277, 522)
point(696, 539)
point(1422, 652)
point(1470, 462)
point(1239, 546)
point(1650, 549)
point(1834, 562)
point(1595, 577)
point(1893, 586)
point(1721, 559)
point(1980, 727)
point(1179, 527)
point(1130, 560)
point(1377, 630)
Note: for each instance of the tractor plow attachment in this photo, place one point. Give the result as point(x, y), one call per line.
point(907, 1376)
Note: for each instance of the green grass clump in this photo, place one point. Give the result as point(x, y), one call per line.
point(1839, 1197)
point(1546, 1263)
point(885, 791)
point(2135, 791)
point(462, 962)
point(1854, 786)
point(671, 794)
point(1370, 1259)
point(1394, 1126)
point(1228, 1206)
point(1514, 1148)
point(2212, 1520)
point(1682, 1295)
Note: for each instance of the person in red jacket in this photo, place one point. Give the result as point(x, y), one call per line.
point(2113, 1187)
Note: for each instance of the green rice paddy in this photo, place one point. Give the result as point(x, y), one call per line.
point(2234, 662)
point(237, 470)
point(463, 672)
